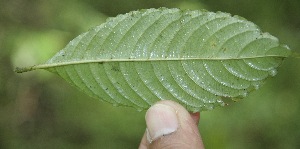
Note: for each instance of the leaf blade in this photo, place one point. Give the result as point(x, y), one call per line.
point(194, 57)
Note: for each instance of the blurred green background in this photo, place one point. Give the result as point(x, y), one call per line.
point(40, 110)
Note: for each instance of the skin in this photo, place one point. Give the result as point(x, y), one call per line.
point(186, 136)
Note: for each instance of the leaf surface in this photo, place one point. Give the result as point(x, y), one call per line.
point(196, 58)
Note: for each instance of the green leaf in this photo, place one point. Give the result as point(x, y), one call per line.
point(196, 58)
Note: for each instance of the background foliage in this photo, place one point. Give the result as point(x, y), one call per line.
point(40, 110)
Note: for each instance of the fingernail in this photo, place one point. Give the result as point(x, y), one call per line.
point(161, 120)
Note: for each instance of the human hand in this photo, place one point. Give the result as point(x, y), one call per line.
point(170, 125)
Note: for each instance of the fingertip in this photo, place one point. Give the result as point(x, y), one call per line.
point(161, 120)
point(184, 132)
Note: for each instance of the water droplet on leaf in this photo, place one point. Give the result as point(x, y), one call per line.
point(273, 72)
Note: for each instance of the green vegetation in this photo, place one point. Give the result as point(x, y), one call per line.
point(40, 110)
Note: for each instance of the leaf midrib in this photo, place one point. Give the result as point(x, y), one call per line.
point(45, 66)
